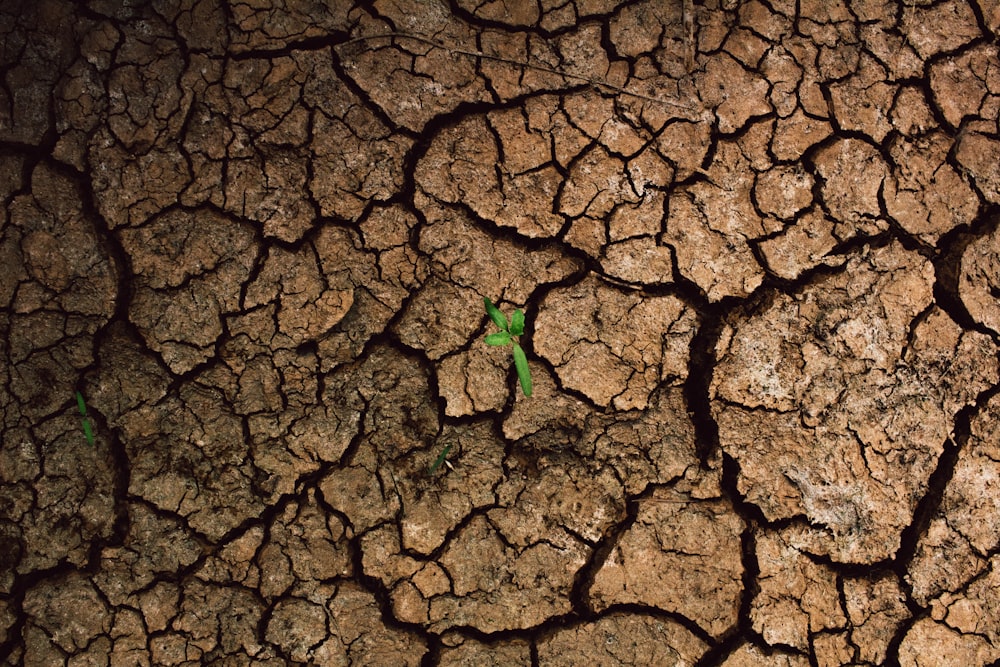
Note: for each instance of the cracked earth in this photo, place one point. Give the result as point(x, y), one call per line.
point(758, 246)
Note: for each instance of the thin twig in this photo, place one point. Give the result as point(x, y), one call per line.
point(519, 63)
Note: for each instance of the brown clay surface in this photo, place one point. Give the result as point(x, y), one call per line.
point(758, 244)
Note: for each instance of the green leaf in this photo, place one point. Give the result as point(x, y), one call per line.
point(88, 432)
point(439, 460)
point(498, 339)
point(523, 372)
point(498, 318)
point(80, 404)
point(517, 323)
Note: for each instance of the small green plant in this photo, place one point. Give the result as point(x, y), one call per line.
point(432, 468)
point(88, 431)
point(509, 331)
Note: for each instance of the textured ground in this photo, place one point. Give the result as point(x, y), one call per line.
point(757, 244)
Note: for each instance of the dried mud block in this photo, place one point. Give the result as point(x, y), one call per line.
point(801, 247)
point(180, 245)
point(473, 653)
point(437, 319)
point(682, 556)
point(211, 622)
point(974, 611)
point(147, 105)
point(7, 620)
point(797, 598)
point(622, 639)
point(614, 347)
point(639, 260)
point(129, 189)
point(966, 85)
point(356, 160)
point(783, 191)
point(153, 544)
point(252, 132)
point(235, 561)
point(433, 506)
point(474, 380)
point(466, 264)
point(497, 586)
point(954, 549)
point(924, 193)
point(67, 501)
point(597, 182)
point(38, 46)
point(525, 15)
point(275, 24)
point(710, 223)
point(308, 305)
point(654, 445)
point(736, 93)
point(188, 456)
point(304, 546)
point(851, 174)
point(55, 625)
point(748, 655)
point(979, 279)
point(60, 250)
point(359, 636)
point(190, 267)
point(380, 270)
point(939, 27)
point(59, 288)
point(398, 417)
point(296, 626)
point(461, 252)
point(979, 157)
point(290, 433)
point(463, 166)
point(836, 402)
point(411, 81)
point(512, 566)
point(911, 114)
point(562, 504)
point(876, 608)
point(129, 375)
point(932, 644)
point(80, 104)
point(862, 101)
point(797, 133)
point(270, 189)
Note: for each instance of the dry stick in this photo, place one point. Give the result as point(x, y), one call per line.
point(510, 61)
point(687, 18)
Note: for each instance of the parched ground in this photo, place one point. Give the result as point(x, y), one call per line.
point(757, 246)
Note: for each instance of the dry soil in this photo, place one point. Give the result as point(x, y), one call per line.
point(757, 245)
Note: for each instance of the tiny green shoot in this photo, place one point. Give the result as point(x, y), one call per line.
point(509, 331)
point(88, 431)
point(439, 460)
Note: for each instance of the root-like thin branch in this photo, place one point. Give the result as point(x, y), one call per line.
point(597, 83)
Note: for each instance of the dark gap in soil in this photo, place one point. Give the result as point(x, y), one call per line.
point(697, 387)
point(583, 581)
point(948, 269)
point(929, 504)
point(754, 519)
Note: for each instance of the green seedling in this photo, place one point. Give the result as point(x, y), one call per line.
point(88, 431)
point(509, 331)
point(439, 460)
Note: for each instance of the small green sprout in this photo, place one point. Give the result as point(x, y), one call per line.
point(439, 460)
point(508, 336)
point(88, 431)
